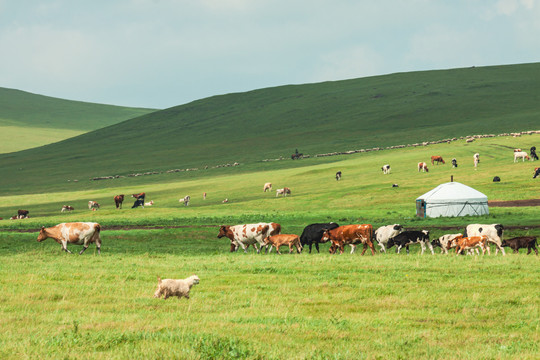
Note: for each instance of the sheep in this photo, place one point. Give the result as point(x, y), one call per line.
point(175, 287)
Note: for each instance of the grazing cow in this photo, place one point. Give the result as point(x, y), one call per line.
point(385, 233)
point(446, 242)
point(118, 200)
point(517, 243)
point(423, 166)
point(472, 242)
point(185, 200)
point(407, 238)
point(283, 239)
point(536, 172)
point(312, 234)
point(150, 203)
point(437, 159)
point(350, 235)
point(93, 205)
point(22, 214)
point(267, 187)
point(67, 208)
point(338, 175)
point(139, 200)
point(226, 200)
point(520, 155)
point(249, 234)
point(494, 233)
point(496, 179)
point(533, 153)
point(78, 233)
point(204, 195)
point(476, 159)
point(285, 191)
point(386, 169)
point(454, 163)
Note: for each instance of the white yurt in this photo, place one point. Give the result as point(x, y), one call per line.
point(452, 199)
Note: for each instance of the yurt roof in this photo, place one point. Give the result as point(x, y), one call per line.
point(452, 191)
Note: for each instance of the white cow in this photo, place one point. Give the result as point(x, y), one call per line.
point(267, 187)
point(476, 159)
point(494, 233)
point(385, 233)
point(185, 200)
point(249, 234)
point(79, 233)
point(386, 169)
point(521, 154)
point(150, 203)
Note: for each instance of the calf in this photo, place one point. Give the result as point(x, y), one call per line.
point(313, 233)
point(285, 191)
point(78, 233)
point(407, 238)
point(385, 233)
point(472, 242)
point(22, 214)
point(118, 200)
point(350, 235)
point(93, 205)
point(67, 208)
point(386, 169)
point(422, 166)
point(283, 239)
point(494, 233)
point(517, 243)
point(150, 203)
point(446, 242)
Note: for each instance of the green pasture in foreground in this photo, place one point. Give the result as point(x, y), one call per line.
point(249, 306)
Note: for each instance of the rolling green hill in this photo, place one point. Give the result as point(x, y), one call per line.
point(248, 127)
point(29, 120)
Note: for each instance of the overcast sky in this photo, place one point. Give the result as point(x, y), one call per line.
point(163, 53)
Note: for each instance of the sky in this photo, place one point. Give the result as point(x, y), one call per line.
point(163, 53)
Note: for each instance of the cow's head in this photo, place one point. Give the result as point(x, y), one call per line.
point(426, 234)
point(266, 240)
point(325, 236)
point(398, 227)
point(426, 168)
point(391, 242)
point(42, 234)
point(499, 229)
point(436, 242)
point(223, 230)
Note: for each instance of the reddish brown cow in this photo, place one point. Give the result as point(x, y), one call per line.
point(437, 159)
point(350, 235)
point(471, 242)
point(290, 240)
point(118, 200)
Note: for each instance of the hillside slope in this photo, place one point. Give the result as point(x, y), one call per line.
point(267, 123)
point(29, 120)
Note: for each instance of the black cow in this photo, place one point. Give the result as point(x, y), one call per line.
point(533, 153)
point(454, 163)
point(536, 172)
point(517, 243)
point(407, 238)
point(312, 234)
point(338, 175)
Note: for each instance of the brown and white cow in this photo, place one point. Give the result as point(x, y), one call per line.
point(290, 240)
point(78, 233)
point(472, 242)
point(285, 191)
point(423, 167)
point(93, 205)
point(118, 200)
point(437, 159)
point(350, 235)
point(22, 214)
point(536, 172)
point(150, 203)
point(67, 208)
point(267, 187)
point(249, 234)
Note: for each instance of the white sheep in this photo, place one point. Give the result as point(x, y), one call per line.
point(175, 287)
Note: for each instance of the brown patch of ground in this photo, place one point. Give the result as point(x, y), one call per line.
point(515, 203)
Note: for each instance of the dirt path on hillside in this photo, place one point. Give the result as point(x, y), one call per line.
point(515, 203)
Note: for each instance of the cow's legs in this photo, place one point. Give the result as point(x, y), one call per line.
point(423, 247)
point(353, 249)
point(407, 248)
point(316, 247)
point(382, 248)
point(83, 249)
point(64, 247)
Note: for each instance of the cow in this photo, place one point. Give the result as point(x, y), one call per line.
point(226, 200)
point(338, 175)
point(283, 239)
point(454, 163)
point(422, 166)
point(267, 187)
point(93, 205)
point(350, 235)
point(536, 172)
point(476, 159)
point(186, 199)
point(249, 234)
point(312, 234)
point(285, 191)
point(204, 195)
point(78, 233)
point(445, 242)
point(118, 200)
point(494, 233)
point(407, 238)
point(521, 155)
point(472, 242)
point(437, 159)
point(150, 203)
point(533, 153)
point(22, 214)
point(517, 243)
point(139, 200)
point(386, 169)
point(67, 208)
point(385, 233)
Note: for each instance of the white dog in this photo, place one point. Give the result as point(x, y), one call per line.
point(173, 287)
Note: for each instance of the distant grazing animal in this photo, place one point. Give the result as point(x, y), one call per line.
point(67, 208)
point(247, 234)
point(150, 203)
point(22, 214)
point(536, 172)
point(386, 169)
point(469, 140)
point(517, 243)
point(338, 175)
point(285, 191)
point(312, 234)
point(118, 200)
point(290, 240)
point(454, 163)
point(226, 200)
point(407, 238)
point(385, 233)
point(93, 205)
point(175, 287)
point(445, 242)
point(533, 153)
point(494, 233)
point(297, 156)
point(472, 242)
point(139, 200)
point(476, 159)
point(437, 159)
point(267, 187)
point(496, 179)
point(520, 155)
point(395, 185)
point(186, 199)
point(77, 233)
point(204, 196)
point(350, 235)
point(423, 166)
